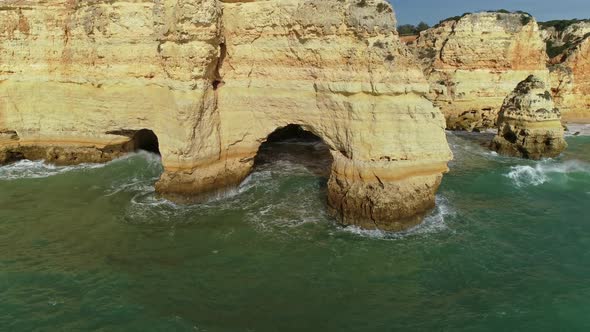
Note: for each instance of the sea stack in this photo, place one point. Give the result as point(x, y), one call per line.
point(205, 82)
point(529, 125)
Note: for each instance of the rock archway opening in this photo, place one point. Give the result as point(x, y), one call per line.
point(295, 146)
point(145, 140)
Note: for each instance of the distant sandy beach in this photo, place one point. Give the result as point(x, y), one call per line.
point(576, 129)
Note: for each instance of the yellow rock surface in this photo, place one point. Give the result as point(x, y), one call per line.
point(570, 82)
point(212, 79)
point(529, 125)
point(474, 62)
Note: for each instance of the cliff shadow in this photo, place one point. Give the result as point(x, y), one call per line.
point(139, 140)
point(145, 140)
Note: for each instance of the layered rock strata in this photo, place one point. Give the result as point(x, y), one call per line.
point(529, 126)
point(473, 62)
point(212, 79)
point(570, 81)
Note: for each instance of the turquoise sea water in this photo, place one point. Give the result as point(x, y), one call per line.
point(91, 248)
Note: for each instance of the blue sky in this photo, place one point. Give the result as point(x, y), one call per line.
point(432, 11)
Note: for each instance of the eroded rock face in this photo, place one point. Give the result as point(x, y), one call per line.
point(474, 62)
point(76, 74)
point(529, 126)
point(560, 39)
point(212, 79)
point(570, 81)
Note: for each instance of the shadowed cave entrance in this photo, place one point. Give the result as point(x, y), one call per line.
point(145, 140)
point(292, 145)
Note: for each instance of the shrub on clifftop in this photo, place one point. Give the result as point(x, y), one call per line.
point(410, 29)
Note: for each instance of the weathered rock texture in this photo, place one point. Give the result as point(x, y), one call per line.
point(529, 125)
point(212, 79)
point(570, 81)
point(563, 36)
point(473, 63)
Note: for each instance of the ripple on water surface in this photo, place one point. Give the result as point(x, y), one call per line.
point(92, 247)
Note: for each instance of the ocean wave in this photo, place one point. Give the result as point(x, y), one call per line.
point(433, 223)
point(540, 173)
point(248, 183)
point(472, 149)
point(263, 178)
point(262, 182)
point(148, 207)
point(286, 214)
point(28, 169)
point(276, 207)
point(36, 169)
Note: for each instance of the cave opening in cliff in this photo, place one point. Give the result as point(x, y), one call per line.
point(146, 140)
point(291, 147)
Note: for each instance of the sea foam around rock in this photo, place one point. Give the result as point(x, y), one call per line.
point(435, 222)
point(37, 169)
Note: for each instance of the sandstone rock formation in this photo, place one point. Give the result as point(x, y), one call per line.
point(529, 125)
point(474, 61)
point(560, 36)
point(570, 81)
point(79, 80)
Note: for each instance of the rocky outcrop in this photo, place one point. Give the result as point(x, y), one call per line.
point(561, 36)
point(568, 45)
point(79, 80)
point(529, 125)
point(570, 81)
point(473, 62)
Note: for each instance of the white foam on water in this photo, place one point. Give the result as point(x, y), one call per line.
point(527, 175)
point(283, 167)
point(28, 169)
point(147, 206)
point(435, 222)
point(540, 173)
point(371, 233)
point(287, 213)
point(259, 179)
point(247, 184)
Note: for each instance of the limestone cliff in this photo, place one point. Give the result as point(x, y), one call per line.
point(472, 62)
point(529, 125)
point(570, 81)
point(561, 36)
point(212, 79)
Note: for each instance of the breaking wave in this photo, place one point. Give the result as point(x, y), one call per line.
point(259, 196)
point(544, 171)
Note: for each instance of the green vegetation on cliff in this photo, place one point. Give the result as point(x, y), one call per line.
point(553, 51)
point(410, 29)
point(525, 17)
point(560, 25)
